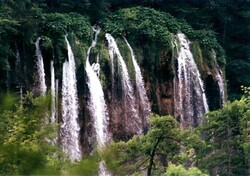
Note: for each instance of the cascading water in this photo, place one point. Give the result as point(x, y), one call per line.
point(40, 77)
point(219, 79)
point(18, 74)
point(144, 103)
point(131, 114)
point(96, 67)
point(53, 92)
point(18, 66)
point(175, 50)
point(69, 129)
point(191, 102)
point(97, 104)
point(56, 99)
point(103, 169)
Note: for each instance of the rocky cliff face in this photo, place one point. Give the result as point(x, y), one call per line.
point(160, 83)
point(159, 70)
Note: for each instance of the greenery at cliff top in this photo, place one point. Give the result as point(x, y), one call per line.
point(146, 24)
point(58, 24)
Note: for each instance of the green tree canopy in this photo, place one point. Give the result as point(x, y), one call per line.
point(146, 152)
point(226, 137)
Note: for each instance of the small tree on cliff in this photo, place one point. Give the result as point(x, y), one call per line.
point(148, 153)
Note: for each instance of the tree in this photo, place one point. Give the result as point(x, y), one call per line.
point(150, 152)
point(225, 137)
point(27, 136)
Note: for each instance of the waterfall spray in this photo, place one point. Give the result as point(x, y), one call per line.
point(53, 93)
point(129, 101)
point(18, 75)
point(69, 131)
point(220, 82)
point(191, 98)
point(40, 69)
point(219, 79)
point(97, 104)
point(144, 103)
point(18, 66)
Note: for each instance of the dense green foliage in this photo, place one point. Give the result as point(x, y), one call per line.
point(148, 25)
point(181, 171)
point(58, 24)
point(28, 144)
point(25, 133)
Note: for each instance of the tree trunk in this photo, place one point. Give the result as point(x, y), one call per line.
point(152, 155)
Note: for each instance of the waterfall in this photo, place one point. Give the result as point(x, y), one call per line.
point(96, 103)
point(56, 99)
point(40, 77)
point(219, 79)
point(144, 103)
point(18, 67)
point(96, 67)
point(53, 92)
point(132, 120)
point(69, 129)
point(175, 85)
point(103, 170)
point(191, 99)
point(18, 73)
